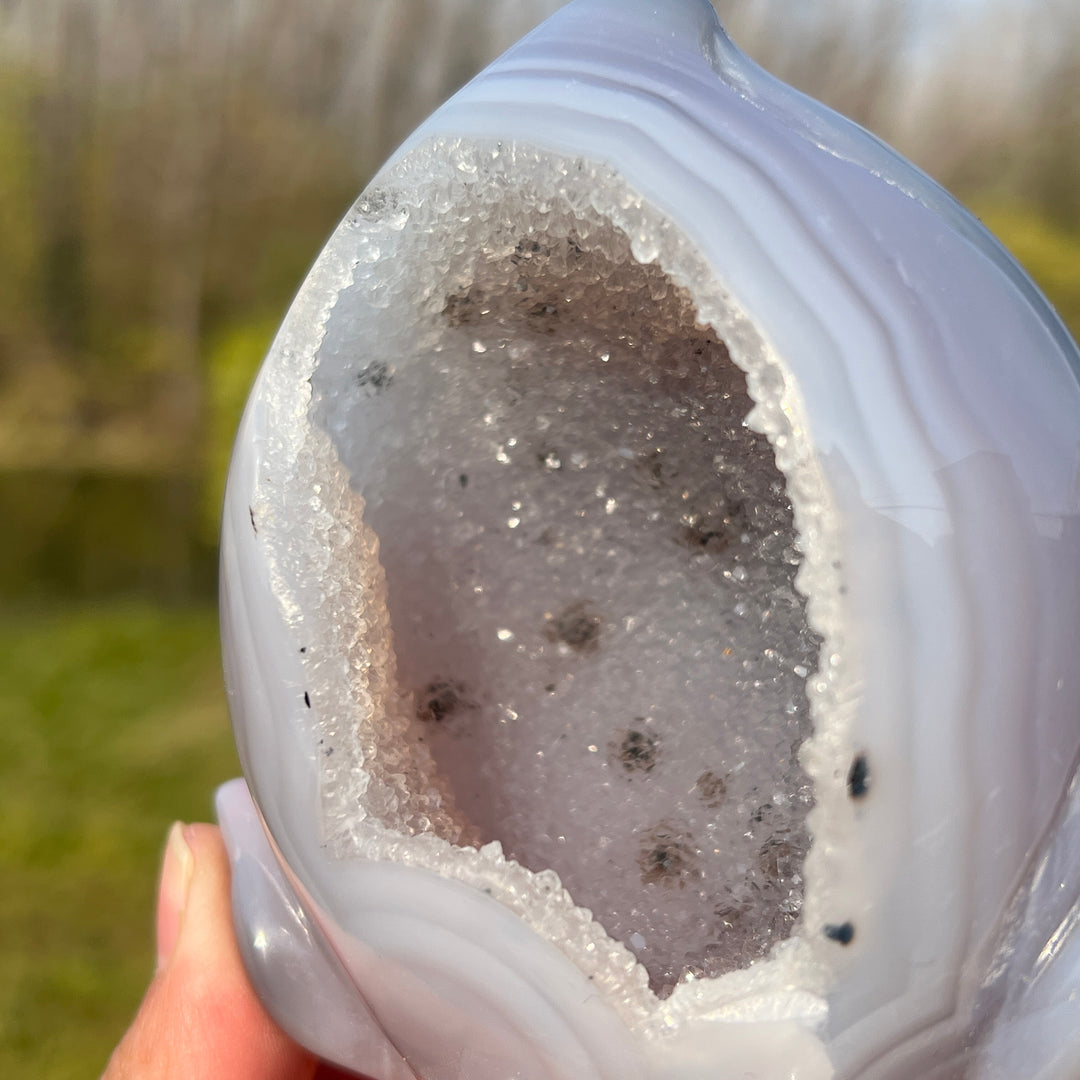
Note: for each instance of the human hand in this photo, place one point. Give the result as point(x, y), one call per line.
point(200, 1019)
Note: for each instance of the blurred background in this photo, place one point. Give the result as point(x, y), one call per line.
point(168, 171)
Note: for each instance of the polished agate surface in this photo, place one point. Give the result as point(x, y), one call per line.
point(650, 599)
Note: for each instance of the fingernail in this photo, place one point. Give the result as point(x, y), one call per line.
point(176, 870)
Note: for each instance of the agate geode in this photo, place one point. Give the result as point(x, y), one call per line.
point(650, 598)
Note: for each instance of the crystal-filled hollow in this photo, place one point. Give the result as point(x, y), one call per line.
point(589, 555)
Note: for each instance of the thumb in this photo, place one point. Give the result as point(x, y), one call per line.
point(200, 1019)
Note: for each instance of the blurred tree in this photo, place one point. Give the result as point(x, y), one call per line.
point(169, 168)
point(1052, 175)
point(144, 221)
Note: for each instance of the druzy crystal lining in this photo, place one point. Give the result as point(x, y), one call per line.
point(572, 624)
point(589, 561)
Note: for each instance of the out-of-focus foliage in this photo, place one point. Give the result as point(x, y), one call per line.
point(113, 726)
point(168, 170)
point(137, 233)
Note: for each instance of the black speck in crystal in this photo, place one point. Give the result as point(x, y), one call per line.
point(542, 317)
point(441, 698)
point(667, 856)
point(307, 699)
point(702, 536)
point(375, 378)
point(526, 248)
point(463, 480)
point(636, 751)
point(842, 933)
point(251, 514)
point(858, 778)
point(575, 626)
point(463, 308)
point(711, 788)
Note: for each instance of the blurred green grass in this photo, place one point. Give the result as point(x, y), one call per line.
point(114, 725)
